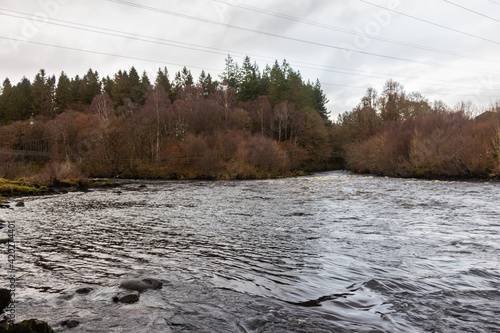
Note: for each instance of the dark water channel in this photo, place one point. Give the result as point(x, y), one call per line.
point(332, 252)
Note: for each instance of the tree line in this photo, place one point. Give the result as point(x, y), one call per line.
point(248, 124)
point(405, 135)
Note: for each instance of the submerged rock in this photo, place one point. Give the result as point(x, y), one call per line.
point(71, 323)
point(84, 291)
point(141, 284)
point(127, 297)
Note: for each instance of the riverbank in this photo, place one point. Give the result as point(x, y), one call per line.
point(16, 188)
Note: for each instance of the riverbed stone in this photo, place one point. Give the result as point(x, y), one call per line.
point(4, 299)
point(84, 291)
point(71, 323)
point(127, 297)
point(30, 326)
point(20, 204)
point(141, 284)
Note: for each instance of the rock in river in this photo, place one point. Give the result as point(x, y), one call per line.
point(141, 284)
point(127, 297)
point(71, 323)
point(84, 291)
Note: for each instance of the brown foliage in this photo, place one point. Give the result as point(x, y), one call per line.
point(198, 136)
point(55, 171)
point(445, 144)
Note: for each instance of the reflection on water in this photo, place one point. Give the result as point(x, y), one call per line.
point(332, 252)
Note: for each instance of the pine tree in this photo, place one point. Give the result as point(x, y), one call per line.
point(145, 82)
point(17, 103)
point(76, 89)
point(23, 99)
point(120, 88)
point(163, 80)
point(107, 85)
point(250, 78)
point(231, 74)
point(44, 94)
point(136, 92)
point(5, 101)
point(63, 92)
point(319, 100)
point(295, 91)
point(277, 86)
point(91, 87)
point(207, 84)
point(186, 77)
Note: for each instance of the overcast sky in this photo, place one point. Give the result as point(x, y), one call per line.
point(444, 49)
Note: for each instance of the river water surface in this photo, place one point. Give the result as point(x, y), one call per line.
point(332, 252)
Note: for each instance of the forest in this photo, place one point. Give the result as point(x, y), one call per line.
point(246, 124)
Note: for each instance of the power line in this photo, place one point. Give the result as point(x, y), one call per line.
point(432, 23)
point(423, 92)
point(102, 53)
point(329, 68)
point(195, 47)
point(386, 76)
point(226, 25)
point(324, 69)
point(472, 11)
point(353, 32)
point(117, 33)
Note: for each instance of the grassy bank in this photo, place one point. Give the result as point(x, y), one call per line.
point(12, 188)
point(9, 188)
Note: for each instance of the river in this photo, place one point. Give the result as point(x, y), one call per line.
point(330, 252)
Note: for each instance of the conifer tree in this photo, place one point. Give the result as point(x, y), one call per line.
point(107, 85)
point(319, 100)
point(44, 94)
point(277, 85)
point(136, 91)
point(231, 74)
point(250, 78)
point(163, 80)
point(63, 92)
point(207, 84)
point(91, 87)
point(5, 101)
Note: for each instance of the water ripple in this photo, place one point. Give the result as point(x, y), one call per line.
point(332, 252)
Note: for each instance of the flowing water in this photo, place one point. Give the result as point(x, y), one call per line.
point(332, 252)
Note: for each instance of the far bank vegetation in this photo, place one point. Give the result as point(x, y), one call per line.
point(249, 124)
point(404, 135)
